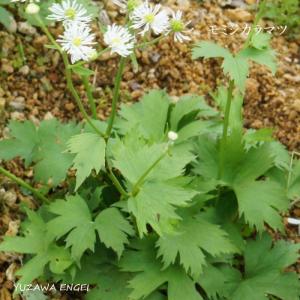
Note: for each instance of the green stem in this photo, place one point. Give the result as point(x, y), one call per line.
point(116, 94)
point(116, 182)
point(225, 128)
point(258, 16)
point(25, 185)
point(135, 188)
point(74, 93)
point(68, 72)
point(88, 88)
point(154, 41)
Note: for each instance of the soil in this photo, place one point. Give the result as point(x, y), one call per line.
point(33, 87)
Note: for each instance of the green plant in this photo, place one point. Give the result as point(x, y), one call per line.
point(170, 200)
point(284, 12)
point(5, 16)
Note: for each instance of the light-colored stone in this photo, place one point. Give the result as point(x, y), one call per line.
point(239, 15)
point(18, 104)
point(48, 116)
point(10, 198)
point(24, 70)
point(26, 28)
point(7, 68)
point(296, 105)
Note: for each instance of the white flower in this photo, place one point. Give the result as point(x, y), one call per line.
point(69, 11)
point(173, 136)
point(119, 39)
point(147, 17)
point(77, 41)
point(178, 27)
point(32, 9)
point(127, 5)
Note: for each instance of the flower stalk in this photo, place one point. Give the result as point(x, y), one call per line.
point(116, 95)
point(225, 128)
point(25, 185)
point(89, 92)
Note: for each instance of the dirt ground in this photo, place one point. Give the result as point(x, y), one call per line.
point(32, 86)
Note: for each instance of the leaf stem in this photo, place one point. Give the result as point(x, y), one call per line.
point(89, 92)
point(225, 128)
point(74, 93)
point(152, 42)
point(259, 15)
point(135, 188)
point(116, 182)
point(116, 94)
point(25, 185)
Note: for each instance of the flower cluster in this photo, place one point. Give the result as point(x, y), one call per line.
point(143, 17)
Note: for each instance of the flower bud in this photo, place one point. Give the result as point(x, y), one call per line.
point(32, 9)
point(173, 136)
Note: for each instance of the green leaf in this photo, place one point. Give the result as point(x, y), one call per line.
point(37, 241)
point(113, 229)
point(254, 137)
point(261, 40)
point(34, 295)
point(129, 157)
point(86, 160)
point(82, 71)
point(261, 201)
point(264, 57)
point(113, 285)
point(5, 17)
point(155, 205)
point(193, 236)
point(74, 219)
point(149, 116)
point(238, 69)
point(23, 142)
point(264, 272)
point(189, 105)
point(151, 276)
point(52, 160)
point(209, 50)
point(43, 13)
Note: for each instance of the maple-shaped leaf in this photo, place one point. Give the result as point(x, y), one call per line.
point(129, 158)
point(52, 161)
point(75, 220)
point(44, 146)
point(155, 204)
point(193, 238)
point(189, 105)
point(23, 140)
point(113, 285)
point(37, 242)
point(149, 115)
point(263, 276)
point(151, 277)
point(260, 202)
point(236, 67)
point(89, 150)
point(264, 57)
point(113, 229)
